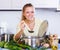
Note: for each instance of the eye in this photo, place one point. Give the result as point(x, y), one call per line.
point(27, 12)
point(32, 12)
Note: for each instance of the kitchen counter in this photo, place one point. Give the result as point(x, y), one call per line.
point(38, 49)
point(8, 49)
point(3, 49)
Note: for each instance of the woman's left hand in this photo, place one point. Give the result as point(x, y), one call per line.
point(46, 45)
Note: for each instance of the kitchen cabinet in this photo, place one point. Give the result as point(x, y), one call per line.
point(5, 4)
point(18, 4)
point(48, 3)
point(58, 7)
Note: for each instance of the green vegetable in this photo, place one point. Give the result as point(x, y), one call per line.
point(43, 48)
point(25, 46)
point(12, 45)
point(7, 45)
point(16, 48)
point(2, 44)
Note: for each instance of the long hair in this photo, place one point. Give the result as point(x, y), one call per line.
point(24, 7)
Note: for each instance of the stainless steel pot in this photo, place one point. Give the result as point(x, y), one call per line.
point(33, 41)
point(1, 32)
point(6, 37)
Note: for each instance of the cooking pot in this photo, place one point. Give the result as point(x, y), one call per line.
point(33, 41)
point(6, 37)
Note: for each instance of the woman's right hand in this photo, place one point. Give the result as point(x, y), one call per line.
point(22, 25)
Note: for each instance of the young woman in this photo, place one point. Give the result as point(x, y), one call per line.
point(29, 25)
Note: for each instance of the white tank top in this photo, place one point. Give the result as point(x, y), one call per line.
point(35, 29)
point(39, 29)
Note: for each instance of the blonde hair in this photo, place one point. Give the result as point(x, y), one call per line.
point(24, 7)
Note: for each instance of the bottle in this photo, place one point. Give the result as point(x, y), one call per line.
point(54, 47)
point(55, 44)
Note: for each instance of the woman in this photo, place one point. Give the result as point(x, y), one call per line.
point(29, 25)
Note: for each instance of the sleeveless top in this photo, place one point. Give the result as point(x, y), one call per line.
point(35, 29)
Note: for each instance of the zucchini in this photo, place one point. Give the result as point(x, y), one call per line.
point(25, 46)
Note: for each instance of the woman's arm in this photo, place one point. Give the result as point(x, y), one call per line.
point(17, 36)
point(20, 28)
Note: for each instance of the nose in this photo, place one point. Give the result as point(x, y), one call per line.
point(30, 13)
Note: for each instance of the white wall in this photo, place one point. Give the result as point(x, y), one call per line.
point(52, 17)
point(13, 17)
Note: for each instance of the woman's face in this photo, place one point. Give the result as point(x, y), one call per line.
point(29, 13)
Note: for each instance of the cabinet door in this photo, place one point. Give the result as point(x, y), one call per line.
point(58, 7)
point(5, 4)
point(18, 4)
point(47, 3)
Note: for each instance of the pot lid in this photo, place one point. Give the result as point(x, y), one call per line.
point(43, 28)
